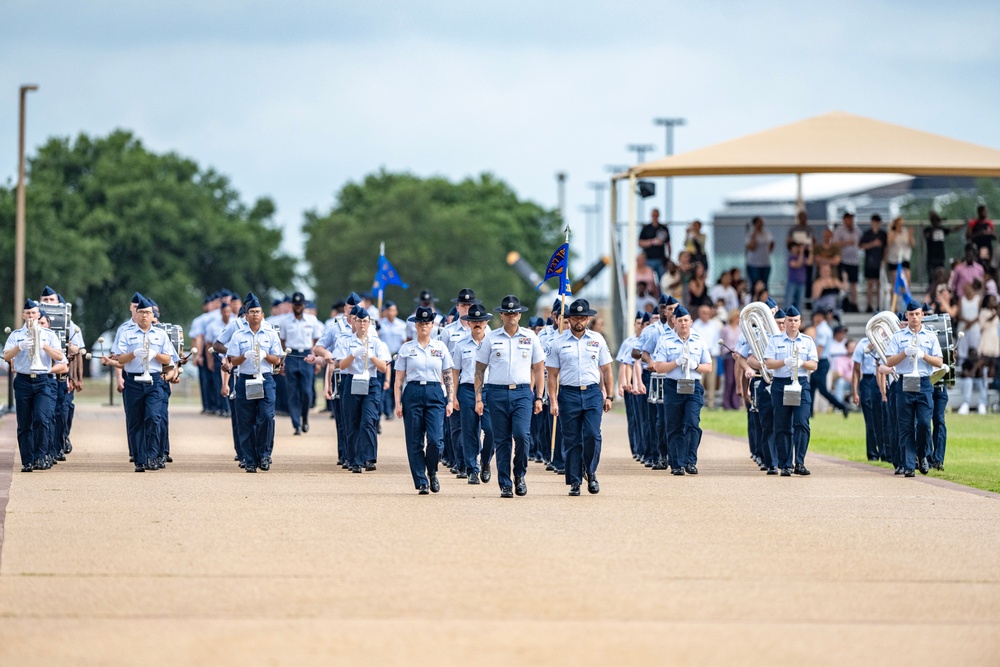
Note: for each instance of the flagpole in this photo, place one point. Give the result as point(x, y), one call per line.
point(381, 287)
point(562, 324)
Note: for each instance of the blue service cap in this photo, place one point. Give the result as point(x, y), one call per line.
point(251, 302)
point(557, 306)
point(59, 297)
point(360, 313)
point(274, 302)
point(671, 301)
point(48, 291)
point(353, 299)
point(792, 311)
point(143, 303)
point(681, 311)
point(646, 317)
point(388, 304)
point(779, 314)
point(136, 297)
point(771, 303)
point(311, 305)
point(42, 313)
point(913, 305)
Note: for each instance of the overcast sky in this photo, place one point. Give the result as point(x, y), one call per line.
point(293, 102)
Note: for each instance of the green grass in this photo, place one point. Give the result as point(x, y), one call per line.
point(972, 457)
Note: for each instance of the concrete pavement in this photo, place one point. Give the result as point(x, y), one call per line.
point(202, 564)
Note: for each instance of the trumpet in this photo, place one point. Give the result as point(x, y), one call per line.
point(792, 395)
point(145, 377)
point(757, 325)
point(255, 385)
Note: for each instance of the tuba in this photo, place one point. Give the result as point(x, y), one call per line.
point(757, 325)
point(35, 332)
point(880, 330)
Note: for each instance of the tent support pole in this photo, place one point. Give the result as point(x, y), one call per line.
point(630, 245)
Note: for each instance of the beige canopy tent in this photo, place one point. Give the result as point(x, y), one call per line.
point(835, 142)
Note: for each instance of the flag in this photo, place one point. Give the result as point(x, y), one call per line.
point(900, 287)
point(558, 266)
point(387, 275)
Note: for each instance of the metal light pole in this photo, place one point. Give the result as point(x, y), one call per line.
point(599, 188)
point(19, 242)
point(668, 183)
point(640, 156)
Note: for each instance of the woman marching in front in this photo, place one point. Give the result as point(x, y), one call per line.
point(423, 365)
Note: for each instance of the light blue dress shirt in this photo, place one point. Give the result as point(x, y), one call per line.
point(242, 342)
point(780, 347)
point(423, 364)
point(510, 358)
point(134, 341)
point(868, 360)
point(22, 362)
point(300, 334)
point(392, 334)
point(465, 360)
point(351, 345)
point(579, 360)
point(927, 342)
point(671, 348)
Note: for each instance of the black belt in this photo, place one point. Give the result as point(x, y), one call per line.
point(35, 376)
point(62, 376)
point(251, 377)
point(573, 386)
point(509, 386)
point(305, 352)
point(867, 375)
point(423, 383)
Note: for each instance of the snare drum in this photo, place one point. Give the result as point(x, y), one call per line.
point(60, 320)
point(175, 334)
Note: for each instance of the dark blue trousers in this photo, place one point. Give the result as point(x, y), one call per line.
point(280, 394)
point(683, 415)
point(788, 419)
point(203, 382)
point(871, 408)
point(580, 412)
point(453, 425)
point(423, 424)
point(474, 448)
point(632, 419)
point(915, 412)
point(389, 397)
point(510, 417)
point(764, 418)
point(818, 383)
point(57, 432)
point(234, 420)
point(543, 442)
point(338, 414)
point(256, 422)
point(361, 420)
point(940, 430)
point(890, 417)
point(219, 403)
point(35, 402)
point(753, 426)
point(298, 378)
point(165, 417)
point(144, 404)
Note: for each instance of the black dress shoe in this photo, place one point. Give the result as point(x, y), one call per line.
point(659, 465)
point(140, 469)
point(574, 490)
point(370, 466)
point(305, 427)
point(520, 488)
point(356, 469)
point(677, 471)
point(251, 469)
point(560, 471)
point(593, 486)
point(265, 465)
point(168, 459)
point(938, 466)
point(909, 473)
point(378, 427)
point(506, 492)
point(899, 470)
point(461, 473)
point(298, 431)
point(435, 484)
point(772, 471)
point(473, 478)
point(550, 467)
point(691, 469)
point(925, 467)
point(236, 458)
point(61, 457)
point(763, 467)
point(801, 470)
point(786, 472)
point(453, 470)
point(243, 464)
point(131, 459)
point(27, 468)
point(485, 473)
point(649, 463)
point(423, 490)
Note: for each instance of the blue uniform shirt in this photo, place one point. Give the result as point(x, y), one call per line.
point(424, 364)
point(510, 358)
point(671, 348)
point(625, 351)
point(392, 334)
point(780, 348)
point(651, 337)
point(465, 360)
point(868, 360)
point(351, 345)
point(242, 342)
point(579, 360)
point(824, 336)
point(133, 340)
point(22, 362)
point(927, 342)
point(300, 334)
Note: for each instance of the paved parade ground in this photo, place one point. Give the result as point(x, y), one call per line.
point(202, 564)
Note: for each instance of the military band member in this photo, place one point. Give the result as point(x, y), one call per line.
point(515, 359)
point(360, 411)
point(451, 335)
point(142, 349)
point(939, 430)
point(867, 395)
point(581, 388)
point(477, 430)
point(915, 349)
point(34, 390)
point(551, 448)
point(626, 385)
point(424, 367)
point(685, 355)
point(299, 331)
point(791, 421)
point(393, 334)
point(255, 351)
point(656, 430)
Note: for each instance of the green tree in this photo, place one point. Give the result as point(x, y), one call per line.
point(107, 217)
point(439, 235)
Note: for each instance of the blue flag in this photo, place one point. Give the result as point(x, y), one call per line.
point(387, 275)
point(558, 266)
point(900, 287)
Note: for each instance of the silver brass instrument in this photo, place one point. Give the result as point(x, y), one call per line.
point(654, 392)
point(792, 395)
point(758, 325)
point(145, 377)
point(880, 330)
point(686, 384)
point(359, 382)
point(911, 380)
point(35, 332)
point(255, 386)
